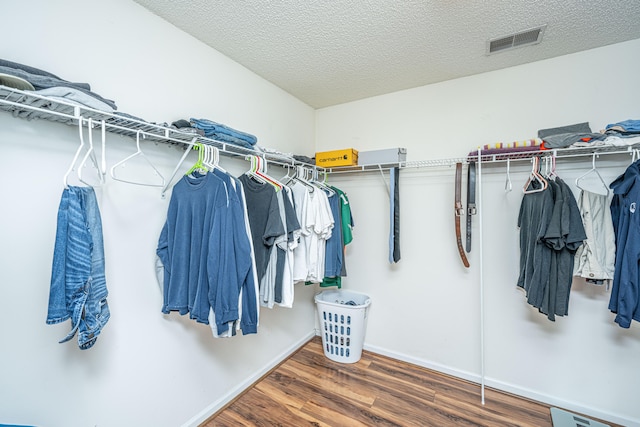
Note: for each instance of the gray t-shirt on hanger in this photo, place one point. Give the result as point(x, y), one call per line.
point(535, 256)
point(264, 219)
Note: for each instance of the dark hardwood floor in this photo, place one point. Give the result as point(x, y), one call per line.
point(308, 389)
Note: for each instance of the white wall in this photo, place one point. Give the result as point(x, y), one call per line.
point(152, 369)
point(426, 309)
point(146, 368)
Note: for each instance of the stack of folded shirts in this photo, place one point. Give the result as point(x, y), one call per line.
point(624, 133)
point(570, 135)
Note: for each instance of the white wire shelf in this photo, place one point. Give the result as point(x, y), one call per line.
point(495, 158)
point(32, 106)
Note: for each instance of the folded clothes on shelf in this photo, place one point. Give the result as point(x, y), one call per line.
point(304, 159)
point(16, 83)
point(577, 139)
point(224, 133)
point(568, 135)
point(40, 79)
point(75, 96)
point(625, 126)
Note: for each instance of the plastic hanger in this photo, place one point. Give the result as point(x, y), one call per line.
point(321, 184)
point(65, 178)
point(551, 174)
point(258, 172)
point(212, 158)
point(602, 184)
point(508, 186)
point(252, 170)
point(199, 164)
point(138, 153)
point(90, 154)
point(180, 162)
point(208, 157)
point(535, 177)
point(300, 177)
point(103, 134)
point(287, 178)
point(261, 170)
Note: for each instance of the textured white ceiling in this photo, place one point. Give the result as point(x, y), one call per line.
point(331, 52)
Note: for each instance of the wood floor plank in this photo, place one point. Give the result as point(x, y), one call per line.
point(258, 409)
point(385, 385)
point(281, 391)
point(407, 412)
point(228, 419)
point(334, 385)
point(487, 417)
point(330, 417)
point(518, 407)
point(427, 379)
point(308, 389)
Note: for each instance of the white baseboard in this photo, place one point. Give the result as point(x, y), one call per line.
point(233, 393)
point(509, 388)
point(469, 376)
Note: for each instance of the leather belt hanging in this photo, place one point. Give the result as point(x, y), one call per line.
point(458, 210)
point(471, 200)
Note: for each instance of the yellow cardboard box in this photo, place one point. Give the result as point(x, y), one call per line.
point(344, 157)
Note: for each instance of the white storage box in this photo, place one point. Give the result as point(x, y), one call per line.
point(343, 323)
point(382, 157)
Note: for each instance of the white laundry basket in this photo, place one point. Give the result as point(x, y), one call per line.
point(343, 323)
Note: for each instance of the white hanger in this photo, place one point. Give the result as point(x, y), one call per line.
point(322, 184)
point(141, 154)
point(180, 162)
point(602, 184)
point(65, 179)
point(551, 174)
point(300, 176)
point(212, 158)
point(103, 166)
point(216, 162)
point(90, 154)
point(208, 157)
point(535, 176)
point(287, 178)
point(508, 186)
point(261, 171)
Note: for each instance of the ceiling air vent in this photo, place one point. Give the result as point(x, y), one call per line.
point(523, 38)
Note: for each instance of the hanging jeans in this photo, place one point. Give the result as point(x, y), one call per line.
point(78, 286)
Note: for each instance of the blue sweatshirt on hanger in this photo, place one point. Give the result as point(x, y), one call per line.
point(241, 258)
point(194, 246)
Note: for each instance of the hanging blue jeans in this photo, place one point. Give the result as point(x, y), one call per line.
point(78, 287)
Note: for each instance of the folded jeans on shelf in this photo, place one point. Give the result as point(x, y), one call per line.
point(219, 130)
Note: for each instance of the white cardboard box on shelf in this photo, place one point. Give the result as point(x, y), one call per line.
point(381, 157)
